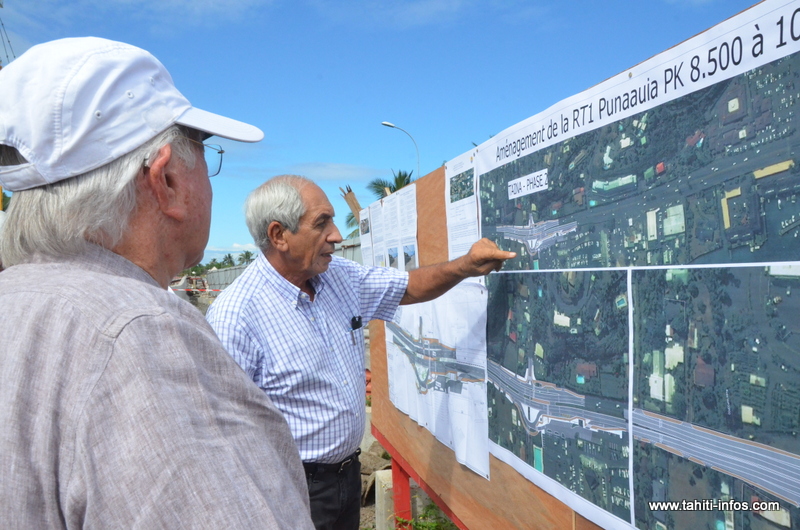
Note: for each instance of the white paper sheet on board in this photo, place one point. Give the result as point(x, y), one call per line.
point(378, 235)
point(461, 205)
point(407, 212)
point(365, 231)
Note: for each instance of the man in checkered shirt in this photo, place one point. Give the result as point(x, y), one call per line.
point(293, 321)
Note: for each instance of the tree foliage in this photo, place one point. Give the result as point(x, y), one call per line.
point(244, 258)
point(350, 222)
point(378, 186)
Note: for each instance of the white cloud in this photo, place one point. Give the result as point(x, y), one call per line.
point(194, 10)
point(234, 248)
point(422, 12)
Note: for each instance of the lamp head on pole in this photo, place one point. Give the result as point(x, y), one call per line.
point(393, 126)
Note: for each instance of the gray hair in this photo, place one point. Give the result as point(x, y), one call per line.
point(278, 199)
point(59, 219)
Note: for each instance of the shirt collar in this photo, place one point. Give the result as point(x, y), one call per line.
point(98, 259)
point(284, 287)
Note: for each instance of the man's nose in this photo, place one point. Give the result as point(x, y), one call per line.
point(335, 236)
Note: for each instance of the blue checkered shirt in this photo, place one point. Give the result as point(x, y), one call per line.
point(302, 353)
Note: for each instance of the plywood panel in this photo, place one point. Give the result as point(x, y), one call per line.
point(431, 219)
point(508, 500)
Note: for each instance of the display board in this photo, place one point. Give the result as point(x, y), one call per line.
point(640, 356)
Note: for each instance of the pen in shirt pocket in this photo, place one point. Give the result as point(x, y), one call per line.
point(355, 323)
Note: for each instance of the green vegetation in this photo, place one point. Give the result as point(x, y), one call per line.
point(378, 188)
point(431, 518)
point(243, 258)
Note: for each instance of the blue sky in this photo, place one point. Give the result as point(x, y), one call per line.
point(318, 76)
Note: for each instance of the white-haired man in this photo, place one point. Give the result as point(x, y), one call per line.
point(293, 320)
point(119, 406)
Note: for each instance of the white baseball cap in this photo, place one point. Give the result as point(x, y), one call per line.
point(73, 105)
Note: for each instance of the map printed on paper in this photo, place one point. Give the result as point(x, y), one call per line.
point(437, 370)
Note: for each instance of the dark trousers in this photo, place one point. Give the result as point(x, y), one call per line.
point(335, 493)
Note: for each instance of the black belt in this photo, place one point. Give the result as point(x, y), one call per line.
point(312, 468)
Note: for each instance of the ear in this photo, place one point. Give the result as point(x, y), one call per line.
point(162, 178)
point(276, 233)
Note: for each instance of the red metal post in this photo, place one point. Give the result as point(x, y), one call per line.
point(401, 493)
point(408, 471)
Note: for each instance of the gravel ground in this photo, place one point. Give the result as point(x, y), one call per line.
point(373, 459)
point(368, 517)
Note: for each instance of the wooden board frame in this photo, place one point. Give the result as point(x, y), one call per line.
point(508, 500)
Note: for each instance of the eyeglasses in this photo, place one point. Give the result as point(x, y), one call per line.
point(213, 156)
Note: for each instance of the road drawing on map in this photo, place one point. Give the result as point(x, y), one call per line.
point(436, 358)
point(715, 402)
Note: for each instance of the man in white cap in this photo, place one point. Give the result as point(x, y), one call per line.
point(119, 406)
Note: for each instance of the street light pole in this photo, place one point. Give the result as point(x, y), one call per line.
point(393, 126)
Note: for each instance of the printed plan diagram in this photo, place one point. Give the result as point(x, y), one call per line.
point(436, 355)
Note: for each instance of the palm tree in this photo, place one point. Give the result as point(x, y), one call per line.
point(245, 257)
point(350, 222)
point(379, 186)
point(227, 260)
point(212, 264)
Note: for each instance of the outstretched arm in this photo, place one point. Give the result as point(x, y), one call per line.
point(433, 281)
